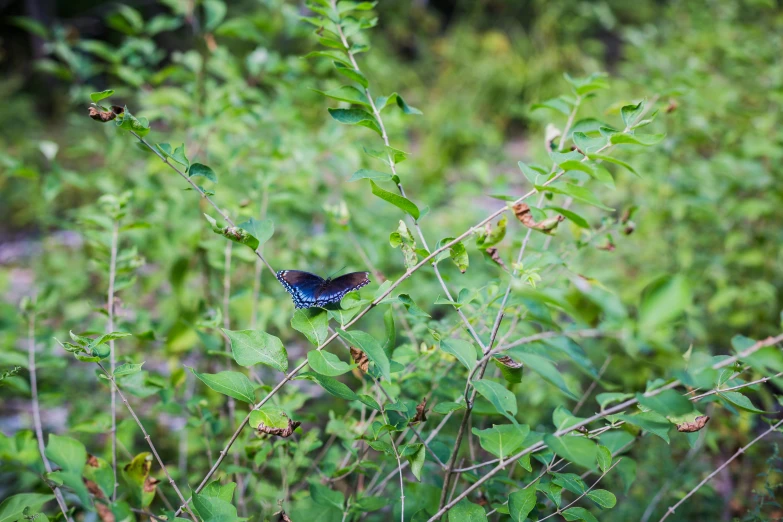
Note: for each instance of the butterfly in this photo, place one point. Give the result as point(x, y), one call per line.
point(311, 290)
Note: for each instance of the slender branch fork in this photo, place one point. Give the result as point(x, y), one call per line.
point(37, 412)
point(770, 341)
point(112, 359)
point(709, 477)
point(560, 510)
point(111, 378)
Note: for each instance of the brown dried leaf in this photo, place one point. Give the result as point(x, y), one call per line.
point(93, 488)
point(279, 432)
point(421, 411)
point(360, 358)
point(105, 116)
point(547, 226)
point(672, 106)
point(508, 362)
point(697, 424)
point(492, 252)
point(92, 461)
point(284, 517)
point(104, 512)
point(150, 484)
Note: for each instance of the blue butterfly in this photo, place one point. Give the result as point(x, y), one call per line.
point(311, 290)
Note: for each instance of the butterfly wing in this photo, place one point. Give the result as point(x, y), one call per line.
point(303, 286)
point(333, 291)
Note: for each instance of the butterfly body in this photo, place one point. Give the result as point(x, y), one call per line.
point(310, 290)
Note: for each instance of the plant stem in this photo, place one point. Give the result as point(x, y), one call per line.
point(146, 437)
point(609, 411)
point(37, 412)
point(709, 477)
point(112, 358)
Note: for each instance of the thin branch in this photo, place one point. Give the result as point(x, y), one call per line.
point(609, 411)
point(709, 477)
point(37, 412)
point(592, 386)
point(747, 384)
point(111, 378)
point(560, 510)
point(112, 359)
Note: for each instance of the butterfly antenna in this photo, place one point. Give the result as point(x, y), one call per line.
point(335, 273)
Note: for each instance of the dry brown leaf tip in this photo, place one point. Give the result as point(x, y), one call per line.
point(523, 214)
point(695, 425)
point(92, 461)
point(284, 517)
point(280, 432)
point(150, 484)
point(360, 358)
point(508, 362)
point(493, 254)
point(105, 116)
point(421, 411)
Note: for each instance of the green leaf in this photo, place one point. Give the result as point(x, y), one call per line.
point(127, 369)
point(353, 74)
point(630, 113)
point(261, 229)
point(333, 386)
point(199, 169)
point(233, 384)
point(497, 394)
point(466, 511)
point(459, 255)
point(577, 449)
point(740, 401)
point(645, 140)
point(222, 491)
point(71, 456)
point(578, 513)
point(348, 94)
point(510, 369)
point(215, 509)
point(545, 368)
point(98, 96)
point(324, 496)
point(521, 503)
point(577, 192)
point(603, 498)
point(411, 306)
point(12, 508)
point(609, 159)
point(503, 440)
point(356, 117)
point(337, 56)
point(575, 218)
point(668, 402)
point(556, 104)
point(650, 421)
point(416, 461)
point(370, 174)
point(462, 350)
point(268, 416)
point(398, 201)
point(214, 13)
point(604, 457)
point(251, 347)
point(327, 363)
point(131, 123)
point(588, 84)
point(534, 174)
point(604, 399)
point(663, 301)
point(445, 408)
point(371, 348)
point(135, 474)
point(313, 323)
point(99, 471)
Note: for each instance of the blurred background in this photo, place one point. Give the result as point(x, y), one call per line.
point(228, 79)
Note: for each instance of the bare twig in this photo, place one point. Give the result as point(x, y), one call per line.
point(560, 510)
point(709, 477)
point(112, 359)
point(111, 378)
point(592, 386)
point(37, 411)
point(609, 411)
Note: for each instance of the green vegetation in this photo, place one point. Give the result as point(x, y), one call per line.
point(570, 213)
